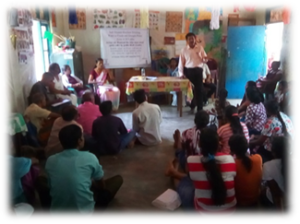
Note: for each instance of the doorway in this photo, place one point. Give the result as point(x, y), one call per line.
point(274, 33)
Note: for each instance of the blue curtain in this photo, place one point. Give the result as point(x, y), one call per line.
point(72, 13)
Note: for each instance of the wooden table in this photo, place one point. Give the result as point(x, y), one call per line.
point(162, 84)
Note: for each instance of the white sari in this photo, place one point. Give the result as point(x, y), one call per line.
point(107, 91)
point(58, 84)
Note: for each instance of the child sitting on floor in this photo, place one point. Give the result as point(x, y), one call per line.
point(248, 172)
point(220, 104)
point(216, 170)
point(41, 118)
point(76, 177)
point(275, 174)
point(14, 171)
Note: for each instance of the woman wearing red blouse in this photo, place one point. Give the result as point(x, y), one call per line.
point(106, 88)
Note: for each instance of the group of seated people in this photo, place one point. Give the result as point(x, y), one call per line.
point(57, 86)
point(77, 137)
point(241, 164)
point(236, 164)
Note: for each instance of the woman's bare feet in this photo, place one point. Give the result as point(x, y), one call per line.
point(177, 139)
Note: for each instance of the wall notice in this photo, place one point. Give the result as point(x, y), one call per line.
point(125, 48)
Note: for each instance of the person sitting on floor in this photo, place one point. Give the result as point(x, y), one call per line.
point(216, 171)
point(268, 83)
point(20, 166)
point(256, 115)
point(58, 87)
point(83, 187)
point(88, 112)
point(245, 102)
point(248, 173)
point(219, 106)
point(110, 132)
point(234, 126)
point(41, 118)
point(69, 115)
point(190, 138)
point(275, 174)
point(43, 87)
point(278, 124)
point(146, 120)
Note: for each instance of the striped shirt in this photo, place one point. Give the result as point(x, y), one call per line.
point(202, 200)
point(225, 133)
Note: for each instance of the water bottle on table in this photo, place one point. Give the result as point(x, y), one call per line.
point(143, 74)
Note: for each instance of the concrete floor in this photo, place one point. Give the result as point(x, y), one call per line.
point(142, 169)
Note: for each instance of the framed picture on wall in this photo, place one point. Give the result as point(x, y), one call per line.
point(13, 17)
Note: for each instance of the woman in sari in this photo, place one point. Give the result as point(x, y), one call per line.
point(106, 88)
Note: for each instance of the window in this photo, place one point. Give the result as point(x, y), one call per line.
point(46, 46)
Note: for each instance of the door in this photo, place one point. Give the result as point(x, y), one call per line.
point(245, 58)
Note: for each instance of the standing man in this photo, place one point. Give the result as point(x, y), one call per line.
point(190, 66)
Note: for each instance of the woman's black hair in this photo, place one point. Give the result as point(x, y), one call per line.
point(209, 143)
point(96, 61)
point(283, 83)
point(222, 95)
point(65, 67)
point(253, 95)
point(231, 114)
point(272, 108)
point(238, 145)
point(279, 149)
point(201, 119)
point(251, 84)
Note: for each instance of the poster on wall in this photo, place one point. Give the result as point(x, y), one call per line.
point(81, 18)
point(23, 58)
point(190, 16)
point(276, 15)
point(53, 18)
point(109, 18)
point(24, 41)
point(137, 18)
point(174, 21)
point(153, 19)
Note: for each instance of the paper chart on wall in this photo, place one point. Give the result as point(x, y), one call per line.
point(24, 41)
point(24, 18)
point(153, 19)
point(174, 21)
point(81, 18)
point(109, 18)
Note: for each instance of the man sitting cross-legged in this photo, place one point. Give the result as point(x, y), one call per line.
point(146, 120)
point(110, 132)
point(76, 177)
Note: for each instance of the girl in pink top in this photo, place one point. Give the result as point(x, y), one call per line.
point(232, 126)
point(104, 83)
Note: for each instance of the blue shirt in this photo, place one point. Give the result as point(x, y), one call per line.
point(70, 173)
point(172, 73)
point(20, 167)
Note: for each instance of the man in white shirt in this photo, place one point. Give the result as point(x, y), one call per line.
point(146, 120)
point(190, 66)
